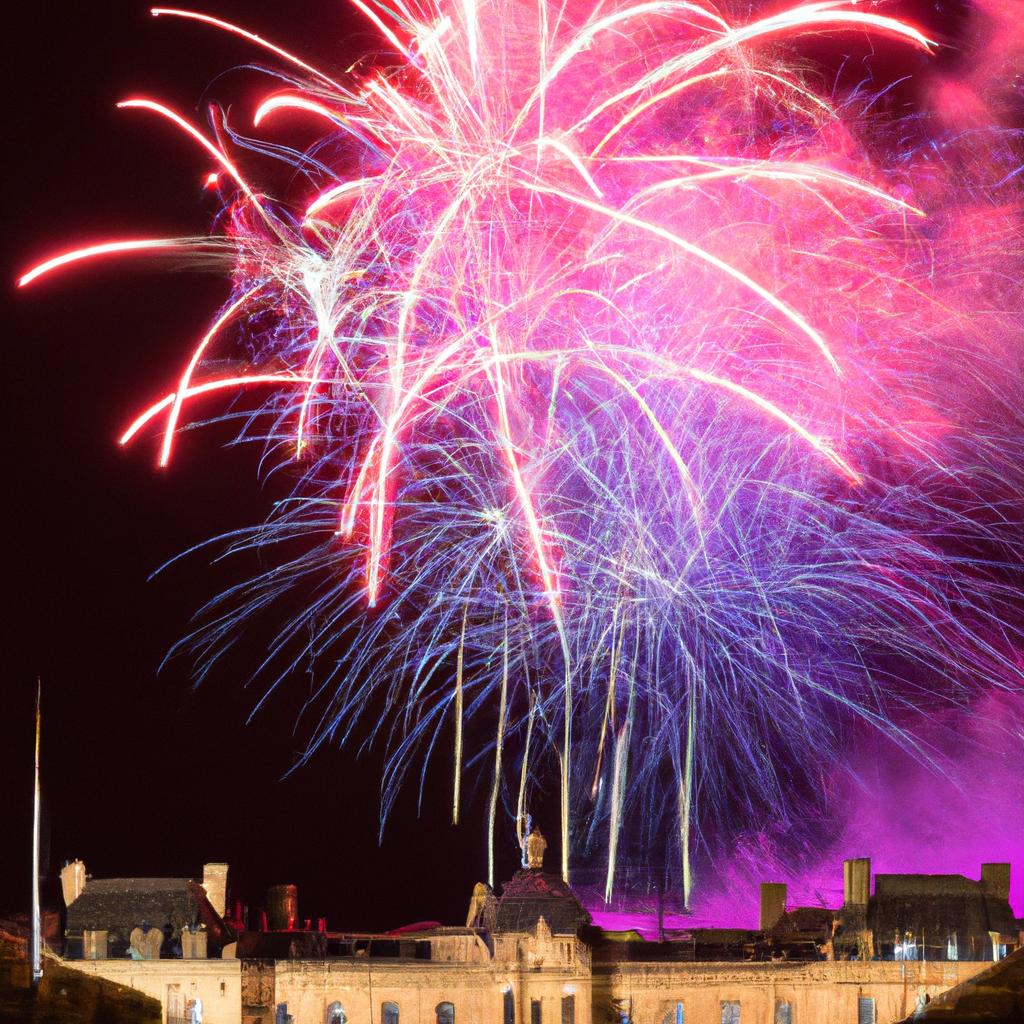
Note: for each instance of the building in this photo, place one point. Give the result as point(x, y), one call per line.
point(532, 956)
point(164, 937)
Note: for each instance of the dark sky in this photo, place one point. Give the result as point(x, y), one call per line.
point(142, 774)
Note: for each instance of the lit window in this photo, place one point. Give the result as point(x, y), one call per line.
point(335, 1014)
point(783, 1011)
point(568, 1010)
point(866, 1010)
point(730, 1011)
point(952, 952)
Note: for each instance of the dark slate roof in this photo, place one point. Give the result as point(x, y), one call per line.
point(533, 893)
point(925, 885)
point(804, 920)
point(962, 908)
point(118, 905)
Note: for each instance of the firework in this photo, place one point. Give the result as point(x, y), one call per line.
point(616, 379)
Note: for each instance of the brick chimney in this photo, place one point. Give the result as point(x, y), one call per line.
point(72, 881)
point(773, 904)
point(995, 880)
point(856, 882)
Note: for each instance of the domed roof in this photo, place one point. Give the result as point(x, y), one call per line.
point(533, 893)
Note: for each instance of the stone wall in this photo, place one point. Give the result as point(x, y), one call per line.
point(819, 993)
point(476, 990)
point(216, 982)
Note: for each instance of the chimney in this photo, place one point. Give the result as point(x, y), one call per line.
point(995, 880)
point(282, 907)
point(773, 904)
point(856, 882)
point(72, 881)
point(215, 882)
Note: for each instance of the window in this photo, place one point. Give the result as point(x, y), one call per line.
point(389, 1013)
point(509, 1007)
point(674, 1014)
point(535, 1017)
point(335, 1014)
point(783, 1011)
point(730, 1011)
point(282, 1016)
point(952, 952)
point(445, 1013)
point(866, 1010)
point(568, 1009)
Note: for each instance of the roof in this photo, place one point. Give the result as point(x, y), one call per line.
point(533, 893)
point(965, 911)
point(120, 904)
point(925, 885)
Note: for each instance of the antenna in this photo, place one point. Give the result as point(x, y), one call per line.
point(37, 943)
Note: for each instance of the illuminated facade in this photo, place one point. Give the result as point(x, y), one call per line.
point(532, 956)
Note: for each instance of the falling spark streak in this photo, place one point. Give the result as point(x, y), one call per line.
point(191, 130)
point(333, 194)
point(251, 36)
point(686, 804)
point(609, 707)
point(524, 771)
point(459, 662)
point(701, 254)
point(804, 17)
point(205, 388)
point(563, 318)
point(102, 249)
point(499, 741)
point(290, 102)
point(186, 377)
point(773, 410)
point(547, 571)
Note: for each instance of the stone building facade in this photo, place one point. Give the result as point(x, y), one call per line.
point(532, 956)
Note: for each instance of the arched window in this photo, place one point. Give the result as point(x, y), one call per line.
point(509, 1006)
point(336, 1014)
point(445, 1013)
point(389, 1013)
point(674, 1014)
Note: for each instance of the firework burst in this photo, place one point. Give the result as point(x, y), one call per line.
point(617, 381)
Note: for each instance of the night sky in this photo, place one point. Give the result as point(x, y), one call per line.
point(143, 775)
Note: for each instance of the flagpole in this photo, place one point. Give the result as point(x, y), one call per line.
point(37, 944)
